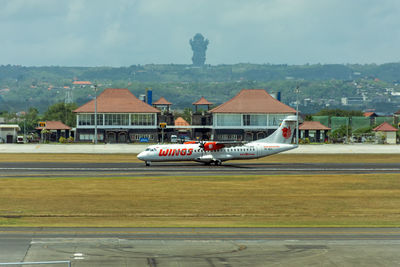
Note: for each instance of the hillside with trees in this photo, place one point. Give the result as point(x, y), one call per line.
point(353, 86)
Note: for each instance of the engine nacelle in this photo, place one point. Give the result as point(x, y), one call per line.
point(209, 146)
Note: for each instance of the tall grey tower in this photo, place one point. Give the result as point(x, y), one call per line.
point(199, 47)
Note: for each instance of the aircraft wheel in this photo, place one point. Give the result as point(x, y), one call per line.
point(218, 163)
point(148, 163)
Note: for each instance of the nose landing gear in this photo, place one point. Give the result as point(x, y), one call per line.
point(148, 163)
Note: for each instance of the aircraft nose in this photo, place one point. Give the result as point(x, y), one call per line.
point(141, 156)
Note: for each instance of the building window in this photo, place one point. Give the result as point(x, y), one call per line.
point(229, 120)
point(88, 119)
point(117, 119)
point(90, 137)
point(255, 120)
point(276, 119)
point(229, 137)
point(142, 119)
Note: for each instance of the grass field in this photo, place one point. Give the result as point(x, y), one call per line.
point(284, 158)
point(261, 200)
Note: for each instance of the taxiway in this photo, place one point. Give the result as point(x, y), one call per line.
point(49, 169)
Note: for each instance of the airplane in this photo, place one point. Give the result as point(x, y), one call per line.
point(216, 152)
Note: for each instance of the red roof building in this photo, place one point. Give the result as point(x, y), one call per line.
point(254, 101)
point(314, 130)
point(54, 125)
point(313, 126)
point(81, 83)
point(385, 133)
point(181, 122)
point(121, 117)
point(55, 130)
point(250, 115)
point(370, 114)
point(385, 127)
point(117, 101)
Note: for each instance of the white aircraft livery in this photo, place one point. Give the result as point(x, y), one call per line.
point(216, 152)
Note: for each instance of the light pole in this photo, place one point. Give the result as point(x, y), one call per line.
point(95, 113)
point(26, 111)
point(297, 115)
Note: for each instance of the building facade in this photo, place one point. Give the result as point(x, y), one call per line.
point(252, 114)
point(121, 118)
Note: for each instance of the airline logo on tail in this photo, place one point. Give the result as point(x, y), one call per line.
point(286, 132)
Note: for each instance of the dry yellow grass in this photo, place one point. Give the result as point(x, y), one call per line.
point(295, 200)
point(282, 158)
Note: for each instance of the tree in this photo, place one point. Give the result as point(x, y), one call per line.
point(29, 120)
point(61, 112)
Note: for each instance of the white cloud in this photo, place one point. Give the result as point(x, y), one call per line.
point(124, 32)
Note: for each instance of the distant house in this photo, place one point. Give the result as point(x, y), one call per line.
point(81, 83)
point(56, 129)
point(385, 133)
point(371, 116)
point(9, 133)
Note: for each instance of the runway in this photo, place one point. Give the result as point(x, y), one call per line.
point(203, 246)
point(28, 169)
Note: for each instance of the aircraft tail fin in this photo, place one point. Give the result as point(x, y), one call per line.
point(284, 134)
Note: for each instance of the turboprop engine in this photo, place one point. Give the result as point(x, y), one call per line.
point(209, 146)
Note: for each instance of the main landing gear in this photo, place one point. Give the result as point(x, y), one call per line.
point(216, 163)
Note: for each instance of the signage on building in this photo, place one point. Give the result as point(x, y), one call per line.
point(144, 140)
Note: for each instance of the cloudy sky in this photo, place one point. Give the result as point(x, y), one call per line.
point(127, 32)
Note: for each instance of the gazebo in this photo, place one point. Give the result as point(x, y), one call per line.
point(314, 129)
point(203, 102)
point(162, 104)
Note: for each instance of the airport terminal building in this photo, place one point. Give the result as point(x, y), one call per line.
point(252, 114)
point(122, 118)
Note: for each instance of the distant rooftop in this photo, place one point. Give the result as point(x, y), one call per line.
point(81, 83)
point(54, 125)
point(385, 127)
point(117, 101)
point(202, 101)
point(162, 101)
point(253, 101)
point(313, 125)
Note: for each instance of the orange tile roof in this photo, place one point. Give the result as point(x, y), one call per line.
point(385, 127)
point(117, 101)
point(202, 101)
point(253, 101)
point(313, 125)
point(369, 114)
point(82, 83)
point(162, 101)
point(181, 122)
point(54, 125)
point(397, 112)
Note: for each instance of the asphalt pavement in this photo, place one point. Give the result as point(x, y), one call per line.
point(137, 148)
point(203, 246)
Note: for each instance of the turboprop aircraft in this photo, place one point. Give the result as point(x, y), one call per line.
point(216, 152)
